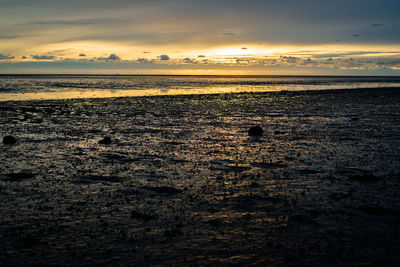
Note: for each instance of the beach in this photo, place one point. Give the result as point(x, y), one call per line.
point(182, 183)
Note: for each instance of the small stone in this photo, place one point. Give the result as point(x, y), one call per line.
point(139, 215)
point(256, 131)
point(9, 140)
point(368, 178)
point(106, 141)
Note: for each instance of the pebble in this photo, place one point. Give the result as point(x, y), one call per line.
point(256, 131)
point(106, 141)
point(9, 140)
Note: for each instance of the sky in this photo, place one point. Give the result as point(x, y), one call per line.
point(269, 37)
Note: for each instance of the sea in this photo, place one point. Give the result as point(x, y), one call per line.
point(33, 87)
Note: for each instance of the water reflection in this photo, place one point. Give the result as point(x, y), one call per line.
point(125, 93)
point(37, 87)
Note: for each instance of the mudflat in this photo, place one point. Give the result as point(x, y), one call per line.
point(182, 183)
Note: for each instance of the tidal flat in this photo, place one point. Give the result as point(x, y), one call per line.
point(182, 183)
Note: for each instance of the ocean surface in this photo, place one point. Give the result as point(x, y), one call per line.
point(29, 87)
point(182, 183)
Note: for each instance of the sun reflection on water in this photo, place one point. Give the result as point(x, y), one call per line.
point(128, 93)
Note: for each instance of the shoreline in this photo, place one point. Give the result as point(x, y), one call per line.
point(105, 94)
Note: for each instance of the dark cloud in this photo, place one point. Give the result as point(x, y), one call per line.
point(164, 57)
point(42, 57)
point(308, 61)
point(328, 61)
point(24, 57)
point(244, 48)
point(227, 33)
point(82, 55)
point(390, 62)
point(188, 60)
point(111, 57)
point(143, 60)
point(3, 57)
point(377, 25)
point(357, 63)
point(74, 4)
point(185, 25)
point(8, 36)
point(91, 21)
point(183, 22)
point(289, 59)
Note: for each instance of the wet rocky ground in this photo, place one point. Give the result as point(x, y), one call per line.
point(182, 183)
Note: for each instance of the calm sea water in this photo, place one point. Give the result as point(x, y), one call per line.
point(28, 87)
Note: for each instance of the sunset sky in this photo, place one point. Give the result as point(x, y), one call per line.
point(340, 37)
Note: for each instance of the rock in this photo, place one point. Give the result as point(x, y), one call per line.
point(215, 222)
point(106, 141)
point(368, 178)
point(300, 219)
point(255, 131)
point(9, 140)
point(139, 215)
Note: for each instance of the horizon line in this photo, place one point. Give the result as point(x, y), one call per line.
point(194, 75)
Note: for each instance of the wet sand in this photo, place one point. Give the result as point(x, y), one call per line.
point(182, 183)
